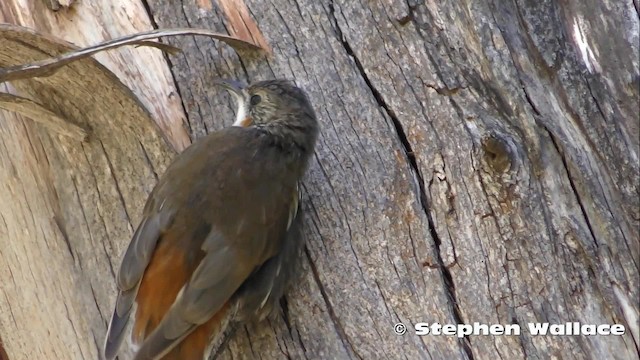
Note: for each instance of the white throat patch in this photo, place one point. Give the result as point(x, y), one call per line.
point(243, 106)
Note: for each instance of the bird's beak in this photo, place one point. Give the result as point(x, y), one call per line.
point(234, 86)
point(241, 95)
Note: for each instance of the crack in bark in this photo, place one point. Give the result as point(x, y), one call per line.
point(293, 38)
point(375, 328)
point(346, 221)
point(154, 24)
point(73, 327)
point(115, 182)
point(88, 228)
point(342, 334)
point(147, 8)
point(246, 330)
point(148, 161)
point(621, 136)
point(13, 316)
point(63, 232)
point(284, 306)
point(281, 343)
point(410, 16)
point(411, 158)
point(96, 342)
point(4, 222)
point(95, 300)
point(99, 211)
point(415, 255)
point(574, 189)
point(26, 202)
point(84, 217)
point(313, 218)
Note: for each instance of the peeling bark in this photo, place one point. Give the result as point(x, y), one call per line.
point(478, 161)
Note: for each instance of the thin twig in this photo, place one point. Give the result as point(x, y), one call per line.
point(49, 66)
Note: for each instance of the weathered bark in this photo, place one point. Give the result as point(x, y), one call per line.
point(478, 162)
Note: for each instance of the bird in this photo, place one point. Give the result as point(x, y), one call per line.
point(220, 234)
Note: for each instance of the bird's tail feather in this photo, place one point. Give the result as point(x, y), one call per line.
point(119, 321)
point(197, 344)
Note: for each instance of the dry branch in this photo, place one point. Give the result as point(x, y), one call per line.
point(49, 66)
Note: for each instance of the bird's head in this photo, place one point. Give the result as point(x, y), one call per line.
point(277, 106)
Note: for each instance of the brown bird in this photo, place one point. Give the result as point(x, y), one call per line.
point(220, 232)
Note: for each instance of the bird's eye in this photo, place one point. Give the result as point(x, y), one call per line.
point(255, 100)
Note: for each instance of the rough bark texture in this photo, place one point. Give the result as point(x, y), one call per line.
point(478, 162)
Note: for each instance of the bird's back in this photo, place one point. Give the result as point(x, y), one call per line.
point(213, 252)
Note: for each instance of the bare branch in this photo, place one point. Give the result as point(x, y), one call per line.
point(48, 66)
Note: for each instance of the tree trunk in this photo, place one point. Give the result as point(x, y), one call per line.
point(478, 162)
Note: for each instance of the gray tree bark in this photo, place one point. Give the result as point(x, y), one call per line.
point(478, 162)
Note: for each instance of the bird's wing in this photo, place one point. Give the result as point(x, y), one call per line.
point(202, 295)
point(261, 292)
point(136, 259)
point(201, 260)
point(158, 215)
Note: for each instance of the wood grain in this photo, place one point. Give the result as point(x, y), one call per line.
point(478, 161)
